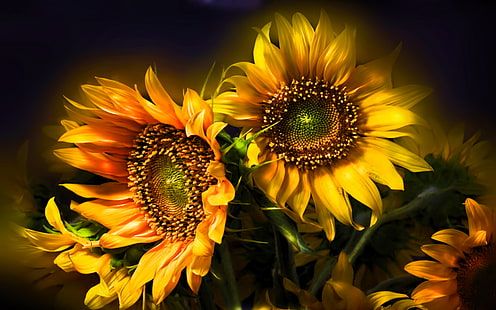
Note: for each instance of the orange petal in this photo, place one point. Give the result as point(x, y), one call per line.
point(108, 213)
point(109, 191)
point(445, 254)
point(161, 98)
point(453, 237)
point(430, 290)
point(430, 270)
point(101, 164)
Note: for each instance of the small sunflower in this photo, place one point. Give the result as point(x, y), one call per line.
point(327, 121)
point(463, 275)
point(167, 187)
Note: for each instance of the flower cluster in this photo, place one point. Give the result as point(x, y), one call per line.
point(305, 180)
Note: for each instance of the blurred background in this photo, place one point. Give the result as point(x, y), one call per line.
point(49, 48)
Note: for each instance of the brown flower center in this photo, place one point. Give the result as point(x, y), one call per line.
point(313, 123)
point(168, 174)
point(476, 278)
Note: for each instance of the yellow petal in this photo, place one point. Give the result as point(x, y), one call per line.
point(398, 155)
point(323, 36)
point(340, 57)
point(273, 58)
point(216, 228)
point(289, 185)
point(202, 245)
point(49, 242)
point(385, 118)
point(201, 265)
point(52, 215)
point(161, 98)
point(378, 167)
point(445, 254)
point(194, 281)
point(298, 201)
point(404, 97)
point(274, 187)
point(327, 195)
point(194, 126)
point(288, 46)
point(452, 237)
point(378, 299)
point(359, 186)
point(479, 217)
point(104, 165)
point(99, 135)
point(194, 104)
point(372, 76)
point(430, 290)
point(327, 221)
point(263, 81)
point(108, 213)
point(160, 115)
point(109, 191)
point(430, 270)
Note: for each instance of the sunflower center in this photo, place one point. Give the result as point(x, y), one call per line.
point(476, 277)
point(311, 123)
point(168, 174)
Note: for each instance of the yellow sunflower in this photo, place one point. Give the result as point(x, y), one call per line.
point(167, 182)
point(328, 121)
point(463, 275)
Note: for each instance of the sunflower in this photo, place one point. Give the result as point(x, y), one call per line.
point(463, 275)
point(327, 122)
point(472, 155)
point(167, 186)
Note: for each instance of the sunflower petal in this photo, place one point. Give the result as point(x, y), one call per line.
point(161, 98)
point(398, 155)
point(430, 290)
point(108, 191)
point(340, 57)
point(445, 254)
point(108, 213)
point(404, 97)
point(327, 195)
point(452, 237)
point(359, 186)
point(372, 76)
point(430, 270)
point(384, 118)
point(322, 38)
point(378, 167)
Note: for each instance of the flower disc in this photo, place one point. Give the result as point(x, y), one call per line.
point(312, 123)
point(168, 174)
point(475, 278)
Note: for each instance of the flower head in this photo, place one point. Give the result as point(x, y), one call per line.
point(167, 188)
point(326, 121)
point(464, 267)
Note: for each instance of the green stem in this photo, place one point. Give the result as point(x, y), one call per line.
point(229, 278)
point(397, 214)
point(323, 276)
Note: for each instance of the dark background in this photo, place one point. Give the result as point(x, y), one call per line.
point(49, 48)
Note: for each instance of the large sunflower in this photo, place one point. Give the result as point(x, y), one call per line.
point(463, 275)
point(328, 121)
point(167, 184)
